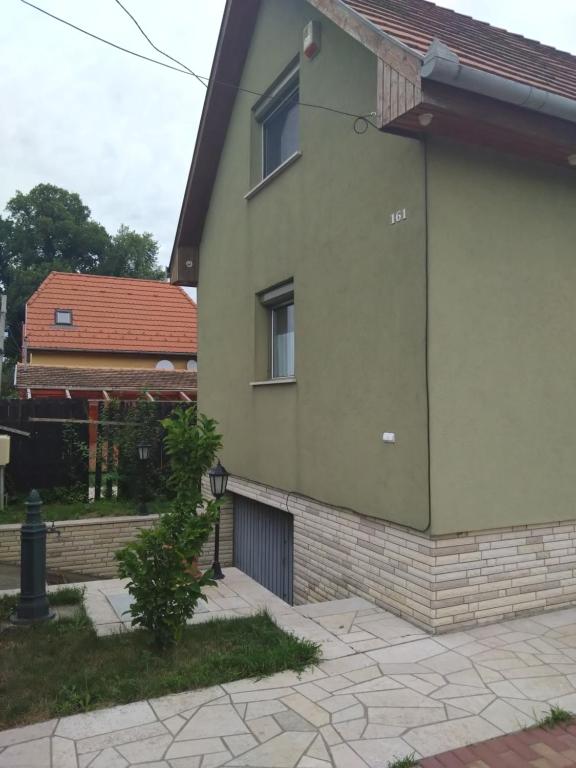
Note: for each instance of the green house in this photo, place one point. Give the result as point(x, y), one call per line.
point(380, 219)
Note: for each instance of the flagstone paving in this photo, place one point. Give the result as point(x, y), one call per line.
point(385, 690)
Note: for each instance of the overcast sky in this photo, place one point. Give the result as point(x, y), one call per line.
point(120, 131)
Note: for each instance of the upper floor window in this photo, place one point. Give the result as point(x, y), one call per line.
point(63, 317)
point(277, 116)
point(281, 132)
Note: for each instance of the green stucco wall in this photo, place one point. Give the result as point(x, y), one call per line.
point(502, 340)
point(359, 290)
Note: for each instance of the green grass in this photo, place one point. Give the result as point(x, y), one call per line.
point(66, 596)
point(404, 762)
point(556, 716)
point(62, 668)
point(16, 512)
point(58, 597)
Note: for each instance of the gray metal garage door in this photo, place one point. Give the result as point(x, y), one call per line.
point(263, 545)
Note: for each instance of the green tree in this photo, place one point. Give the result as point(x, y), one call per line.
point(53, 228)
point(50, 229)
point(132, 255)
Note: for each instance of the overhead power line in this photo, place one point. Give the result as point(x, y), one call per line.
point(361, 122)
point(163, 53)
point(101, 39)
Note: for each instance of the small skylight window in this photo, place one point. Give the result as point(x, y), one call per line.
point(63, 317)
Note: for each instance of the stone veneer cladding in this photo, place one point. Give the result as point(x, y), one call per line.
point(441, 583)
point(87, 547)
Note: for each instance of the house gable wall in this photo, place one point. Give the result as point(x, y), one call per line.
point(104, 360)
point(502, 340)
point(359, 283)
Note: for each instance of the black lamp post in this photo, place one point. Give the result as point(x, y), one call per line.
point(33, 605)
point(143, 456)
point(218, 483)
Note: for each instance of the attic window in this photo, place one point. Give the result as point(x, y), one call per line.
point(63, 317)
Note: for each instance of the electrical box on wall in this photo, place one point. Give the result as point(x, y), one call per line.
point(312, 35)
point(4, 450)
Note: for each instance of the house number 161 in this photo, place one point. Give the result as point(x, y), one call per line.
point(398, 216)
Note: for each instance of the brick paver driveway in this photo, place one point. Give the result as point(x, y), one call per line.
point(385, 690)
point(536, 748)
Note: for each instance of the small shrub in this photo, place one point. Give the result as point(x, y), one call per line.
point(165, 581)
point(75, 494)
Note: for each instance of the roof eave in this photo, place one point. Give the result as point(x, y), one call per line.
point(443, 66)
point(108, 351)
point(236, 31)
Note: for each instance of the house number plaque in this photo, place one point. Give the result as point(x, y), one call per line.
point(398, 216)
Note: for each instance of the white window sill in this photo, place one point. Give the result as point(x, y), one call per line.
point(273, 382)
point(271, 176)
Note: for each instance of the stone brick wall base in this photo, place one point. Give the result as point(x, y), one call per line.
point(87, 547)
point(441, 583)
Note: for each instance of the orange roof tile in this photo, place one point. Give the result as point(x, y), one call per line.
point(112, 314)
point(416, 23)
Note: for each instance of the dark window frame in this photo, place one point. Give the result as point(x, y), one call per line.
point(63, 311)
point(279, 96)
point(282, 107)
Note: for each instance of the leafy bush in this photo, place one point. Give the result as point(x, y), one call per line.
point(165, 582)
point(74, 494)
point(192, 442)
point(162, 564)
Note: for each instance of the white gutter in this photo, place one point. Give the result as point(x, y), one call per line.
point(443, 66)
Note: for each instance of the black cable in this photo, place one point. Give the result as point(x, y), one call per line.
point(361, 123)
point(101, 39)
point(126, 11)
point(427, 329)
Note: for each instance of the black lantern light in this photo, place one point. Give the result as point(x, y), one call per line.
point(143, 455)
point(218, 480)
point(218, 484)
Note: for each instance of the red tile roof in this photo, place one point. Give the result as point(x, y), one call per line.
point(112, 314)
point(478, 44)
point(111, 379)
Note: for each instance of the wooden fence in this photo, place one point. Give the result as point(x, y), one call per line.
point(37, 429)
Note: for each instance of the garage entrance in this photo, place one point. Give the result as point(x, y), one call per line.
point(264, 545)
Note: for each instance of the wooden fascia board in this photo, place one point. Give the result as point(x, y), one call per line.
point(399, 81)
point(232, 48)
point(385, 47)
point(185, 265)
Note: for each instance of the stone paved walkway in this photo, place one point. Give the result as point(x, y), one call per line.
point(384, 690)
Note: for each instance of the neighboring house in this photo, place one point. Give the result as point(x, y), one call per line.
point(99, 337)
point(387, 314)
